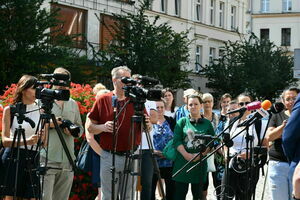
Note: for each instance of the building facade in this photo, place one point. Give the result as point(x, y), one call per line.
point(210, 24)
point(278, 21)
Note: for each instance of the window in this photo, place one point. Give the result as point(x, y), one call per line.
point(221, 14)
point(163, 5)
point(265, 5)
point(285, 37)
point(107, 30)
point(177, 7)
point(221, 52)
point(73, 23)
point(264, 34)
point(199, 10)
point(233, 17)
point(212, 12)
point(287, 5)
point(212, 54)
point(198, 63)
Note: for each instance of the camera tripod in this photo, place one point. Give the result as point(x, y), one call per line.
point(137, 120)
point(21, 157)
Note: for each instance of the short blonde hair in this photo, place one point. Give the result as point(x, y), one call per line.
point(189, 92)
point(207, 96)
point(98, 87)
point(115, 71)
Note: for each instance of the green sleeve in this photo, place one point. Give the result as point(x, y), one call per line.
point(178, 132)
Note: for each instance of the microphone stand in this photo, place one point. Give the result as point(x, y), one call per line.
point(248, 123)
point(116, 116)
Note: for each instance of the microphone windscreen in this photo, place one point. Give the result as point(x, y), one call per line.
point(254, 105)
point(266, 104)
point(277, 107)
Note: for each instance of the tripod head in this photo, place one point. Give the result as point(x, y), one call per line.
point(19, 110)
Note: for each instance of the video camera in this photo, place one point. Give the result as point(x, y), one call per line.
point(44, 93)
point(134, 89)
point(73, 128)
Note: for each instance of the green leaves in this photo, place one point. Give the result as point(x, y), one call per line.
point(256, 66)
point(148, 48)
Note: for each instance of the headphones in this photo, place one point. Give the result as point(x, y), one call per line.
point(196, 121)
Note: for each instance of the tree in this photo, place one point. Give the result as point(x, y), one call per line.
point(148, 48)
point(28, 44)
point(252, 65)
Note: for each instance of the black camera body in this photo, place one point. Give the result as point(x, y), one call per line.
point(135, 91)
point(47, 95)
point(73, 128)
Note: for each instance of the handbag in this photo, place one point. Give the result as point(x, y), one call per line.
point(169, 151)
point(85, 157)
point(211, 164)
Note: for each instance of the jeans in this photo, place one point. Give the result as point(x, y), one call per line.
point(278, 180)
point(106, 177)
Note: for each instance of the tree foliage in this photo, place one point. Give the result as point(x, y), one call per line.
point(148, 48)
point(252, 65)
point(27, 43)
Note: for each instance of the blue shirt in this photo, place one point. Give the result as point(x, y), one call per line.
point(162, 134)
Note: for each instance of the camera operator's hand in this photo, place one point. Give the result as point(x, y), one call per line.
point(32, 140)
point(67, 132)
point(108, 127)
point(148, 123)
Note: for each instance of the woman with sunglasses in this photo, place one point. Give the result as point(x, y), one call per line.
point(239, 181)
point(278, 163)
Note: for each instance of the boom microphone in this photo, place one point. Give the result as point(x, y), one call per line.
point(57, 76)
point(251, 106)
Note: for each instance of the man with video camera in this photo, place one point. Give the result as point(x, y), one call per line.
point(59, 175)
point(102, 117)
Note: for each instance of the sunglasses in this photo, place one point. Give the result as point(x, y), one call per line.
point(244, 103)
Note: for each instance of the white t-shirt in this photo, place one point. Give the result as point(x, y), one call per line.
point(149, 105)
point(168, 113)
point(239, 142)
point(34, 115)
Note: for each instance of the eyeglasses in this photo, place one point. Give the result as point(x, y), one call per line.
point(244, 103)
point(290, 99)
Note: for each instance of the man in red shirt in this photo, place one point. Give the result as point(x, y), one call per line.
point(101, 117)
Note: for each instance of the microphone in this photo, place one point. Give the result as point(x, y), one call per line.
point(145, 80)
point(260, 113)
point(57, 76)
point(251, 106)
point(277, 107)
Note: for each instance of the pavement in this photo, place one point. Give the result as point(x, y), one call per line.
point(262, 193)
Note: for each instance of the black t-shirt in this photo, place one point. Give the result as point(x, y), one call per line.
point(276, 151)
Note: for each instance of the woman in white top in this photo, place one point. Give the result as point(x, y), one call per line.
point(28, 181)
point(170, 105)
point(239, 183)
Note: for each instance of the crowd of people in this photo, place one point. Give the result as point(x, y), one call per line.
point(193, 129)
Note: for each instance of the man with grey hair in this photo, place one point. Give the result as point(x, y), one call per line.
point(101, 117)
